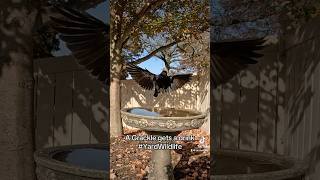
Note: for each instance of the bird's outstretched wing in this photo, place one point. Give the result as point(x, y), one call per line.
point(87, 38)
point(229, 58)
point(179, 80)
point(143, 77)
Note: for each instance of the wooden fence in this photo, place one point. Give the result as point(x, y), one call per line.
point(71, 107)
point(274, 107)
point(245, 111)
point(301, 54)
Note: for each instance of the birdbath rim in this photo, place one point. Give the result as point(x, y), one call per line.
point(197, 114)
point(194, 120)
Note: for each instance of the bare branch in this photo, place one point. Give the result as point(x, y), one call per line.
point(153, 53)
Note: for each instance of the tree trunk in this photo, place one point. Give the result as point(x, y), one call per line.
point(115, 92)
point(115, 69)
point(115, 106)
point(16, 91)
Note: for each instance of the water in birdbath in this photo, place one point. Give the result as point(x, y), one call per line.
point(157, 112)
point(91, 158)
point(143, 112)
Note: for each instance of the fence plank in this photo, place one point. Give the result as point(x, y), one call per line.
point(230, 114)
point(267, 100)
point(314, 161)
point(91, 103)
point(249, 109)
point(45, 113)
point(63, 109)
point(81, 121)
point(281, 101)
point(216, 116)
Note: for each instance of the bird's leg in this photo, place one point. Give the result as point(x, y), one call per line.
point(156, 91)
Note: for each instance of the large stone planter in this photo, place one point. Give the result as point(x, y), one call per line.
point(52, 166)
point(244, 165)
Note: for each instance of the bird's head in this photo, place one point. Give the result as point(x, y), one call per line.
point(164, 73)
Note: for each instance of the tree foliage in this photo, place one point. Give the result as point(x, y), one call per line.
point(251, 18)
point(45, 39)
point(157, 27)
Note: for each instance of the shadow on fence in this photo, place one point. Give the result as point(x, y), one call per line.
point(71, 107)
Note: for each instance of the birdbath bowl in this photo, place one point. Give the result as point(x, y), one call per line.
point(163, 124)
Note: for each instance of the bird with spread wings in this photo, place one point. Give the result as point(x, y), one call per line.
point(88, 40)
point(230, 57)
point(159, 83)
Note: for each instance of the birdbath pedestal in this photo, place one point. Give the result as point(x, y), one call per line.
point(164, 124)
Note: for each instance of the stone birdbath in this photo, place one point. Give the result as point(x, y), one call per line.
point(164, 124)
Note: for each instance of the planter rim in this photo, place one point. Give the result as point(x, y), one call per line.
point(43, 157)
point(298, 167)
